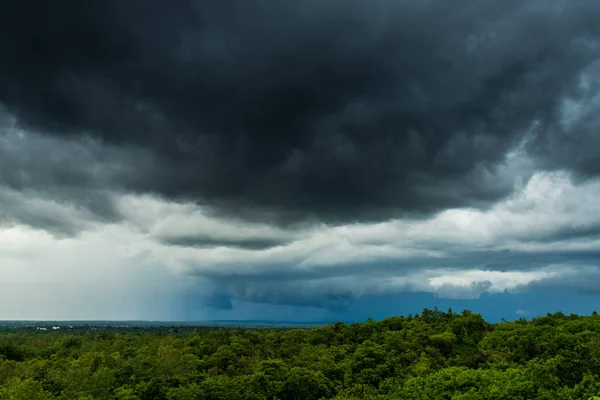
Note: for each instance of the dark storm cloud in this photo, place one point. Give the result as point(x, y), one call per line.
point(329, 109)
point(209, 242)
point(41, 175)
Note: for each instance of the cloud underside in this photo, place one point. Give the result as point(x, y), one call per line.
point(302, 153)
point(305, 111)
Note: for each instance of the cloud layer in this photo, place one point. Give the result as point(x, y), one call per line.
point(336, 111)
point(298, 154)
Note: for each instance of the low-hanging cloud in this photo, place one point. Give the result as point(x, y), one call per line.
point(458, 254)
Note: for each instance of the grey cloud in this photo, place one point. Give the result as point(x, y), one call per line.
point(39, 174)
point(49, 216)
point(521, 260)
point(579, 279)
point(220, 301)
point(360, 273)
point(333, 301)
point(324, 110)
point(209, 242)
point(575, 231)
point(337, 288)
point(577, 134)
point(222, 295)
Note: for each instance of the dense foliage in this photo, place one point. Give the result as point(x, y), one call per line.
point(435, 355)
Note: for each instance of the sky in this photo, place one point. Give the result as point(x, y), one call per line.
point(314, 160)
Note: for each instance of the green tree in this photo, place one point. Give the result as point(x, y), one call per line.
point(28, 389)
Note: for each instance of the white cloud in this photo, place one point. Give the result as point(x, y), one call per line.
point(472, 283)
point(164, 220)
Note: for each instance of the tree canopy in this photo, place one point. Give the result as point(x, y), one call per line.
point(434, 355)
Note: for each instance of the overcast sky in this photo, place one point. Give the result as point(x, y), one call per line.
point(298, 160)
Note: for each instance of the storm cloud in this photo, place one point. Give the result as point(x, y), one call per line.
point(299, 154)
point(334, 111)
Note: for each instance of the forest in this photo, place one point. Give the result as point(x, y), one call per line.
point(432, 355)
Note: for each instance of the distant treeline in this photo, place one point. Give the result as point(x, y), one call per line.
point(154, 326)
point(434, 355)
